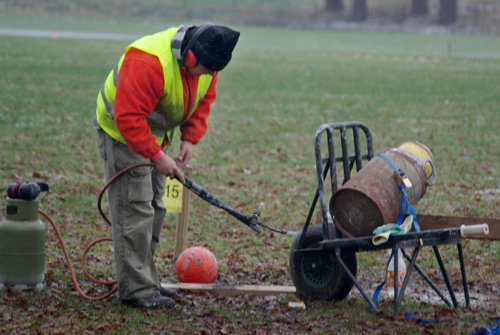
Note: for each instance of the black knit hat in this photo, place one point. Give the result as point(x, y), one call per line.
point(213, 45)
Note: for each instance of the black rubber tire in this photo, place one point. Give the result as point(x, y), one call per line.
point(317, 274)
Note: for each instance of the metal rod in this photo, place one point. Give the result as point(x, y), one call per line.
point(464, 275)
point(321, 180)
point(399, 298)
point(333, 180)
point(331, 161)
point(445, 275)
point(357, 150)
point(251, 221)
point(395, 253)
point(322, 195)
point(311, 211)
point(354, 280)
point(345, 155)
point(447, 235)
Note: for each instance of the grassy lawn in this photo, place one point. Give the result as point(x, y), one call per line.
point(258, 153)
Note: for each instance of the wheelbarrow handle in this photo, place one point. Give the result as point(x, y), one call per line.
point(474, 230)
point(251, 221)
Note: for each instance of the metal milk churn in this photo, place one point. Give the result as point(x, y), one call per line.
point(373, 198)
point(22, 239)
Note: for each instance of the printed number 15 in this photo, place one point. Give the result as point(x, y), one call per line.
point(172, 191)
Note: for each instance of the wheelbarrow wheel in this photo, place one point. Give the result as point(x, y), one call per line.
point(317, 275)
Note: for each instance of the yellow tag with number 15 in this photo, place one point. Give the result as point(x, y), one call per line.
point(173, 196)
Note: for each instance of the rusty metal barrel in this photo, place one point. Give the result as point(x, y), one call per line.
point(372, 197)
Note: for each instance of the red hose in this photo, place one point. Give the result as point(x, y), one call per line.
point(70, 265)
point(91, 245)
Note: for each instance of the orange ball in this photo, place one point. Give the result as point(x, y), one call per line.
point(196, 265)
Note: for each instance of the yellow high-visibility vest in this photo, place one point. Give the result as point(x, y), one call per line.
point(169, 112)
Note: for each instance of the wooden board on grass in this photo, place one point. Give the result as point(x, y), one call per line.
point(229, 289)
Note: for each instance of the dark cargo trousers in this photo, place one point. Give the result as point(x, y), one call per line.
point(137, 212)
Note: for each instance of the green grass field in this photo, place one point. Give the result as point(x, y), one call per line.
point(258, 153)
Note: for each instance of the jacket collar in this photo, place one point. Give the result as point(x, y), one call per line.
point(176, 42)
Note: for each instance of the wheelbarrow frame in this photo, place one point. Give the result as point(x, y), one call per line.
point(327, 166)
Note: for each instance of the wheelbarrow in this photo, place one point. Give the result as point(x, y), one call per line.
point(323, 263)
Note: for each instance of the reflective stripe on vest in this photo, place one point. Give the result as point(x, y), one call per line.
point(109, 106)
point(169, 112)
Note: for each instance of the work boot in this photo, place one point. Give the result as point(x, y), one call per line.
point(168, 292)
point(154, 301)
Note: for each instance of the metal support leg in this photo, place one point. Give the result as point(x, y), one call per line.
point(399, 297)
point(395, 253)
point(311, 211)
point(356, 283)
point(445, 276)
point(429, 281)
point(464, 275)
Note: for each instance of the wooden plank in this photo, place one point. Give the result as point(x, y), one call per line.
point(231, 290)
point(437, 222)
point(182, 221)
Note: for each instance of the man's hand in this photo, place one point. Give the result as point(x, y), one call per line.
point(185, 154)
point(167, 166)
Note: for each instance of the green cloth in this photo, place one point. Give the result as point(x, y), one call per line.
point(383, 233)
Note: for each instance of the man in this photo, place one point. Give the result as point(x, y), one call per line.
point(162, 82)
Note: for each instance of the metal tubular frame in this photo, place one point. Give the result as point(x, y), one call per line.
point(414, 240)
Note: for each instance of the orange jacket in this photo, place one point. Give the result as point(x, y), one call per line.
point(139, 88)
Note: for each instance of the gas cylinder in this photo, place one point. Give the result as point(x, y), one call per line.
point(22, 241)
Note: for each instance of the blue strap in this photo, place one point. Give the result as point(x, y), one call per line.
point(401, 216)
point(402, 210)
point(490, 330)
point(394, 167)
point(404, 195)
point(415, 221)
point(404, 202)
point(381, 285)
point(480, 331)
